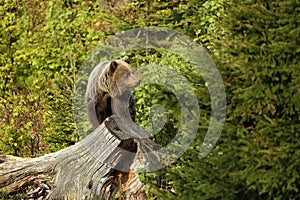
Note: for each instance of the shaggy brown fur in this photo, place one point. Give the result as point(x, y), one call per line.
point(110, 80)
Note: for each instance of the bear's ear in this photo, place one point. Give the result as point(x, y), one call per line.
point(113, 66)
point(126, 59)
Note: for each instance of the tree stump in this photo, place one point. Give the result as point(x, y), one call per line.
point(101, 166)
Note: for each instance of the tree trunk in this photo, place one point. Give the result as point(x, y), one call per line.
point(101, 166)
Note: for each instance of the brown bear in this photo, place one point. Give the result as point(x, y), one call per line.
point(108, 82)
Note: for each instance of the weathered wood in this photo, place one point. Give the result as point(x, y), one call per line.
point(101, 165)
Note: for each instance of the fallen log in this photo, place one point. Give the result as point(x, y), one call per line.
point(101, 166)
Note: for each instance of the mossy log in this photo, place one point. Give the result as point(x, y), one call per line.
point(101, 166)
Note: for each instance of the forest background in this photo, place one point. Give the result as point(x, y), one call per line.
point(255, 45)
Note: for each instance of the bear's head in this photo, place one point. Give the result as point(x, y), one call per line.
point(118, 77)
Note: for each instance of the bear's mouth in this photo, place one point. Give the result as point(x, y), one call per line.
point(132, 86)
point(137, 83)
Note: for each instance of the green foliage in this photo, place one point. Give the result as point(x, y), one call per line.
point(157, 106)
point(264, 111)
point(195, 18)
point(4, 195)
point(257, 154)
point(256, 46)
point(42, 46)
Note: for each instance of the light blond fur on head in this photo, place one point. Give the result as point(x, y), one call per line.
point(99, 79)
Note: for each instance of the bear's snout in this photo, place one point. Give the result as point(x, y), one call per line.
point(133, 81)
point(138, 82)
